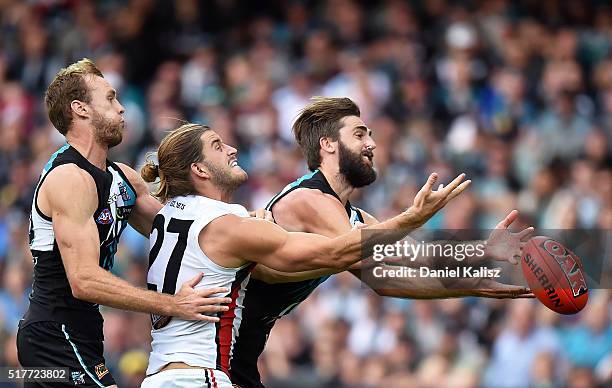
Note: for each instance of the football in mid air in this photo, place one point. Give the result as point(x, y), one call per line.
point(555, 275)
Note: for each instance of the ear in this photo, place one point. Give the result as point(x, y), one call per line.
point(80, 108)
point(328, 145)
point(200, 170)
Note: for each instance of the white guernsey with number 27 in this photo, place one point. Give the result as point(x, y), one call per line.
point(176, 257)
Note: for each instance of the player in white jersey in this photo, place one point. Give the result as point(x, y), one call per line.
point(176, 257)
point(199, 231)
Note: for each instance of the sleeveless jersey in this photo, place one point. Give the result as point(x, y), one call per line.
point(264, 303)
point(51, 297)
point(175, 257)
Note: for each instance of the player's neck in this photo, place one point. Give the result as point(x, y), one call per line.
point(338, 183)
point(88, 148)
point(216, 193)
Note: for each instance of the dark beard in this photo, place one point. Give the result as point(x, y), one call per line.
point(107, 132)
point(224, 179)
point(353, 168)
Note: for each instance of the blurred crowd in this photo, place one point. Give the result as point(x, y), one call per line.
point(518, 94)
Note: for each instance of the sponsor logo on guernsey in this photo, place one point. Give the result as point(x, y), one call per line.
point(101, 370)
point(124, 193)
point(123, 213)
point(105, 217)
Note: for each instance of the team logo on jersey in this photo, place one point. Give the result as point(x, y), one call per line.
point(112, 198)
point(124, 193)
point(101, 370)
point(105, 217)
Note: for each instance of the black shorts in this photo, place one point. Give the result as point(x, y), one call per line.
point(52, 344)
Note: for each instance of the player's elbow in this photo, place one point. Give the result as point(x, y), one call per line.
point(79, 291)
point(270, 276)
point(79, 286)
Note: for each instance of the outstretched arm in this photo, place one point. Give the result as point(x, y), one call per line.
point(297, 212)
point(230, 237)
point(77, 238)
point(263, 242)
point(435, 288)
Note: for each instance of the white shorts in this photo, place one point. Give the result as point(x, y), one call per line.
point(188, 378)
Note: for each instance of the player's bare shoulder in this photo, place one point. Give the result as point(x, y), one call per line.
point(63, 185)
point(223, 228)
point(304, 207)
point(305, 200)
point(69, 174)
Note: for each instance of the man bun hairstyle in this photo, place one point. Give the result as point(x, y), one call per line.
point(321, 118)
point(178, 150)
point(68, 85)
point(150, 171)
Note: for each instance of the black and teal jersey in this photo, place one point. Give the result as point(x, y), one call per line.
point(51, 298)
point(264, 303)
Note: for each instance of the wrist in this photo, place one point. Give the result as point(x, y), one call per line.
point(410, 218)
point(168, 305)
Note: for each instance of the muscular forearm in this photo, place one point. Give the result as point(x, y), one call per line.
point(430, 293)
point(404, 287)
point(272, 276)
point(440, 293)
point(430, 259)
point(412, 287)
point(437, 288)
point(307, 252)
point(386, 232)
point(101, 287)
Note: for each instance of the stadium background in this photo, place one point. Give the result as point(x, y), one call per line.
point(516, 93)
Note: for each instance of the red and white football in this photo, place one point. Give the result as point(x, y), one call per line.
point(555, 275)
